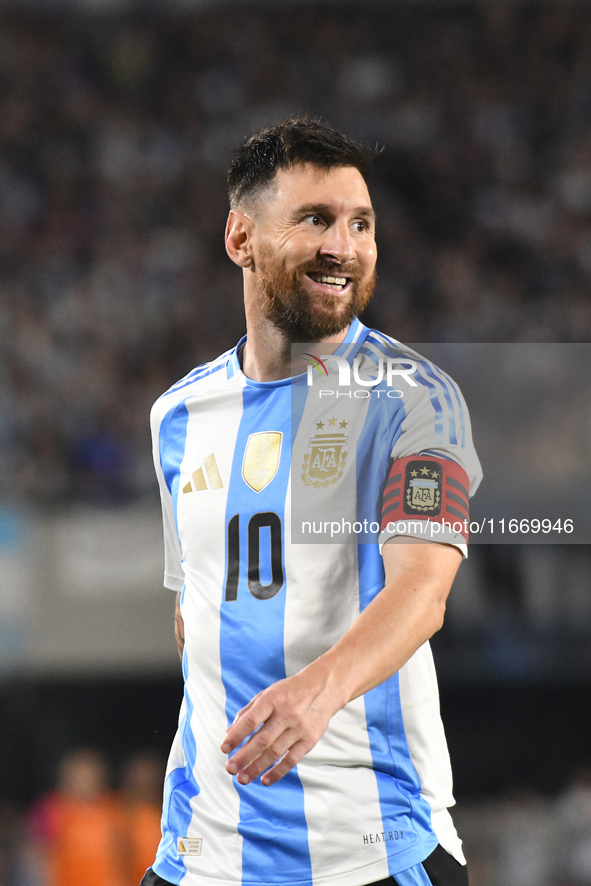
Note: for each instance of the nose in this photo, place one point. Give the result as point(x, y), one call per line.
point(337, 244)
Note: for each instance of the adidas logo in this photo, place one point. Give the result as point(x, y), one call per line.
point(198, 477)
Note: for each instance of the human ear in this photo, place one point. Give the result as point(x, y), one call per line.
point(238, 238)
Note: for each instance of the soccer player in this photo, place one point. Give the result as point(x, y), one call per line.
point(310, 748)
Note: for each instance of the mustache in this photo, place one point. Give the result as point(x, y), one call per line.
point(326, 267)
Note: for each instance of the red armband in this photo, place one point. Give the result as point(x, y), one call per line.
point(427, 488)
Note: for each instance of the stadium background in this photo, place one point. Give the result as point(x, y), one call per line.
point(117, 122)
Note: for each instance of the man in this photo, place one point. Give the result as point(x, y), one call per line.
point(78, 827)
point(139, 798)
point(310, 748)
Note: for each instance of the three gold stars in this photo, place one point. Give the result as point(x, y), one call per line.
point(332, 422)
point(425, 472)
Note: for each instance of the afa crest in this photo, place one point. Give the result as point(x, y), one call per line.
point(326, 461)
point(422, 488)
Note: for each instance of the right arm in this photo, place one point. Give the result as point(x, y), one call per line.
point(179, 627)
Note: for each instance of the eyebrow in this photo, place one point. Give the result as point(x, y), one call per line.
point(310, 208)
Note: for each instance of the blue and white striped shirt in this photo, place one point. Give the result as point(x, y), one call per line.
point(371, 799)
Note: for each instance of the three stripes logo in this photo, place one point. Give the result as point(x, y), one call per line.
point(198, 482)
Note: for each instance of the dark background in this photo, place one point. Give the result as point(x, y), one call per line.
point(116, 128)
point(501, 736)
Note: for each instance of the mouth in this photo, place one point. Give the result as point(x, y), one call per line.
point(333, 283)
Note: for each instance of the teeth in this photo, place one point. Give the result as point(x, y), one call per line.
point(339, 281)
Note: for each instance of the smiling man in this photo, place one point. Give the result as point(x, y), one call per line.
point(310, 748)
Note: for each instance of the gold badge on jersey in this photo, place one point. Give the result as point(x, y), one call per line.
point(326, 462)
point(261, 459)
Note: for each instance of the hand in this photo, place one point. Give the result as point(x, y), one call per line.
point(286, 720)
point(293, 715)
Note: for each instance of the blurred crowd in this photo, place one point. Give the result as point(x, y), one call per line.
point(82, 833)
point(115, 135)
point(518, 612)
point(526, 839)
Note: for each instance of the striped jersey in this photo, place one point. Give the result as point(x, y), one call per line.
point(239, 464)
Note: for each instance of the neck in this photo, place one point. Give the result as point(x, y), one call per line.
point(267, 353)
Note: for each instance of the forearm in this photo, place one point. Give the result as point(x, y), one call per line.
point(179, 627)
point(406, 613)
point(294, 713)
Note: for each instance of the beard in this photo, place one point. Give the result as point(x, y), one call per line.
point(301, 315)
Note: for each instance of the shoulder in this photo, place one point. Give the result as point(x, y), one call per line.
point(436, 421)
point(195, 382)
point(424, 385)
point(425, 373)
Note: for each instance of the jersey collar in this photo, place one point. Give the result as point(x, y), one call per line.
point(349, 347)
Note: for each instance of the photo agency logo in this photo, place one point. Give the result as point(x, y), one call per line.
point(341, 402)
point(358, 383)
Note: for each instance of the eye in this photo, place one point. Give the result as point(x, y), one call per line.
point(314, 220)
point(360, 226)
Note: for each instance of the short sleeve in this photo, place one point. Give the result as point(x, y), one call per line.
point(434, 469)
point(174, 577)
point(427, 497)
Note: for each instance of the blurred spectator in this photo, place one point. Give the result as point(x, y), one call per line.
point(574, 819)
point(14, 870)
point(141, 801)
point(526, 841)
point(115, 134)
point(79, 826)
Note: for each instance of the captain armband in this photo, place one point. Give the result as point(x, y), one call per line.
point(432, 490)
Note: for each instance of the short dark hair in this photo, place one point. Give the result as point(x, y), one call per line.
point(296, 140)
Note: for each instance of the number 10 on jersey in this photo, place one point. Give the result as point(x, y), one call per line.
point(253, 556)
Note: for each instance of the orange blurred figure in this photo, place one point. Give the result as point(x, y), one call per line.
point(141, 803)
point(80, 825)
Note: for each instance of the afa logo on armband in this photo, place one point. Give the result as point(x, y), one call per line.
point(423, 482)
point(435, 490)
